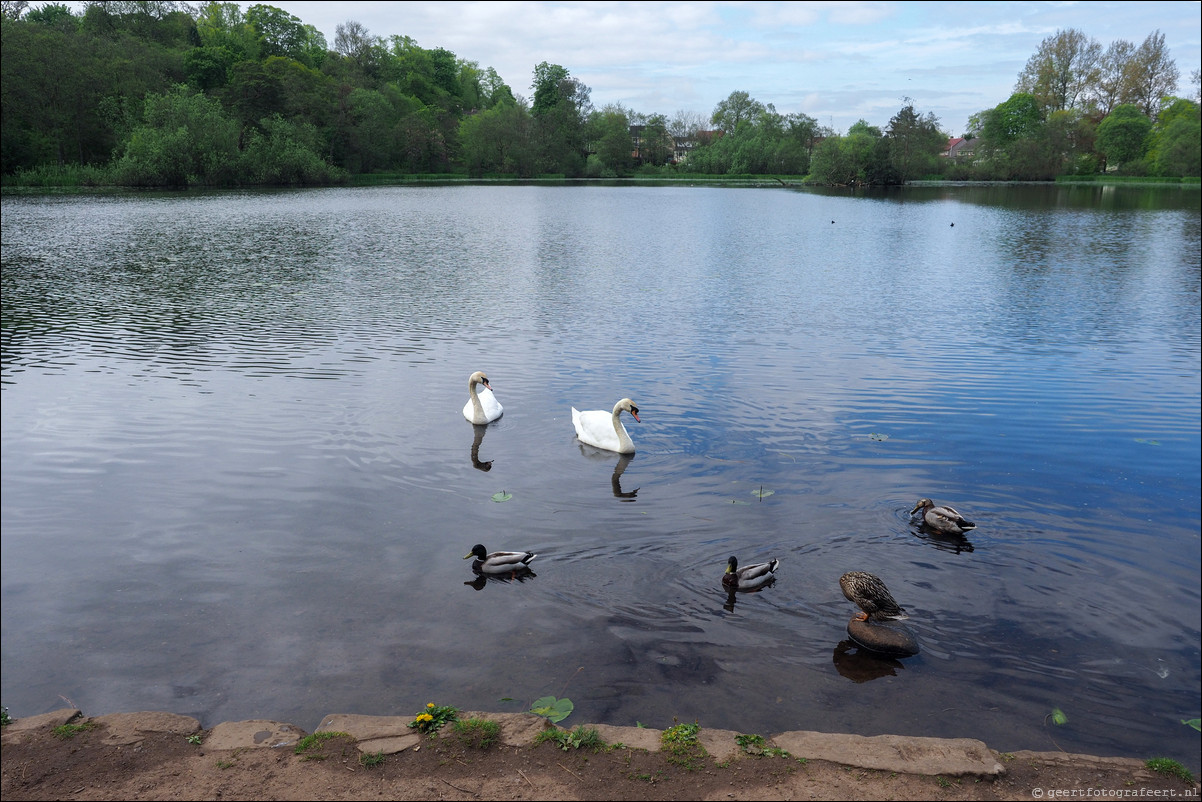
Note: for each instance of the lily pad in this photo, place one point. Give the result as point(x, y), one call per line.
point(762, 493)
point(502, 496)
point(552, 709)
point(879, 436)
point(1058, 717)
point(1196, 723)
point(1147, 442)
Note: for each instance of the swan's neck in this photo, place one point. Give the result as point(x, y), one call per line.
point(625, 444)
point(477, 407)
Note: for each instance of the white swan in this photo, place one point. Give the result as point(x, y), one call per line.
point(483, 406)
point(604, 429)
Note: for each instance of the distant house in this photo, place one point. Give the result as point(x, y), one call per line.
point(958, 148)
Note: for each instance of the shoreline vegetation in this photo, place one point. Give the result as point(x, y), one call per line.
point(172, 95)
point(69, 177)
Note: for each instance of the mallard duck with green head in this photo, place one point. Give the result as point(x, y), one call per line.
point(749, 577)
point(869, 593)
point(499, 563)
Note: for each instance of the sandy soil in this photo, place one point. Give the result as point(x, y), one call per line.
point(170, 766)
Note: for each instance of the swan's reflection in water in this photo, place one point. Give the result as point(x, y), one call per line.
point(944, 541)
point(862, 665)
point(477, 439)
point(481, 580)
point(616, 479)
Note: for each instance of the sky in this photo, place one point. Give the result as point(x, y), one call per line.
point(838, 62)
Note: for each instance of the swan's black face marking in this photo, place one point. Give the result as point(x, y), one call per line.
point(635, 412)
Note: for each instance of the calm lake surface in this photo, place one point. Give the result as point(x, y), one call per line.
point(237, 481)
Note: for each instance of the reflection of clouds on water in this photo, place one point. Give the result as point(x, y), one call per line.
point(862, 665)
point(477, 439)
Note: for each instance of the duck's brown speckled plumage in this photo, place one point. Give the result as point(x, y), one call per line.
point(869, 593)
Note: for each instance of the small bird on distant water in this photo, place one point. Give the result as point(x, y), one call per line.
point(942, 518)
point(869, 593)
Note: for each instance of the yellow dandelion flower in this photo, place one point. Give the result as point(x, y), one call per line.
point(429, 705)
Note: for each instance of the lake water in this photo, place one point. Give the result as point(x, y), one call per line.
point(237, 482)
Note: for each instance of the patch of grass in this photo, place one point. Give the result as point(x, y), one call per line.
point(4, 717)
point(1007, 756)
point(371, 759)
point(432, 719)
point(478, 733)
point(195, 739)
point(314, 741)
point(1164, 765)
point(68, 731)
point(681, 746)
point(944, 782)
point(756, 746)
point(579, 738)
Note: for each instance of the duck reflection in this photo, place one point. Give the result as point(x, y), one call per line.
point(616, 479)
point(863, 665)
point(944, 541)
point(477, 439)
point(732, 595)
point(481, 580)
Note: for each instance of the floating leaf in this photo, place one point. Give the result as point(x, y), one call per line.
point(1196, 723)
point(502, 496)
point(1147, 442)
point(879, 436)
point(1058, 717)
point(505, 699)
point(552, 709)
point(762, 493)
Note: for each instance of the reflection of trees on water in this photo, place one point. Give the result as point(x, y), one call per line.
point(863, 665)
point(476, 441)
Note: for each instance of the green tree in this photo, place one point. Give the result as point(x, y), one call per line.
point(282, 34)
point(561, 106)
point(281, 152)
point(614, 147)
point(1176, 143)
point(1153, 75)
point(737, 107)
point(1063, 72)
point(497, 140)
point(1123, 135)
point(223, 25)
point(656, 146)
point(915, 143)
point(1115, 75)
point(185, 139)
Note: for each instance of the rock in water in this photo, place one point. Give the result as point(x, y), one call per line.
point(884, 637)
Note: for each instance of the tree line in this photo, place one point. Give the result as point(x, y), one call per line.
point(161, 93)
